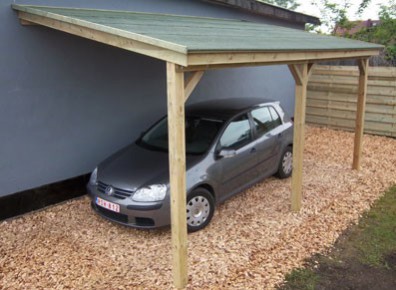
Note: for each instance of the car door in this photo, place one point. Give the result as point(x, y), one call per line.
point(239, 161)
point(268, 133)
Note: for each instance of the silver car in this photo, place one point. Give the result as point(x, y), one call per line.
point(230, 144)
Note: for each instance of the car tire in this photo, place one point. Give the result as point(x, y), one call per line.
point(200, 209)
point(285, 168)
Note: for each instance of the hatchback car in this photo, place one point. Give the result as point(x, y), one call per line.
point(231, 144)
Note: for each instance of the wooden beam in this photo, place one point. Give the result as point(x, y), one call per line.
point(234, 65)
point(363, 66)
point(25, 22)
point(300, 73)
point(177, 173)
point(296, 73)
point(250, 64)
point(211, 59)
point(231, 65)
point(310, 69)
point(120, 40)
point(360, 112)
point(191, 83)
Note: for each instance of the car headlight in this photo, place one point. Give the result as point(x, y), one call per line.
point(93, 180)
point(154, 192)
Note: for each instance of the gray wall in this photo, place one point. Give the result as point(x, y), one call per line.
point(66, 102)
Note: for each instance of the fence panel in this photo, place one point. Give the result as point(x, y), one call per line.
point(332, 98)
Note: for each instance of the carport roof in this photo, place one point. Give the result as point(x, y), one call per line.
point(196, 41)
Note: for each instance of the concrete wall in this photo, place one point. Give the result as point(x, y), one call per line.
point(66, 102)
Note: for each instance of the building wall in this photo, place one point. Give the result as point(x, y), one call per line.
point(66, 102)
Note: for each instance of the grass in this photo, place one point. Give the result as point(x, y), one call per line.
point(377, 237)
point(302, 278)
point(368, 243)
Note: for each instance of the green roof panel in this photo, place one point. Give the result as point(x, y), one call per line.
point(199, 34)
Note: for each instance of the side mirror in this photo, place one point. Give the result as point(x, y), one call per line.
point(227, 153)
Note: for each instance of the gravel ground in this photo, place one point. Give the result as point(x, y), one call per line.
point(252, 242)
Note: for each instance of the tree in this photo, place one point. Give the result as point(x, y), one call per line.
point(384, 33)
point(332, 15)
point(288, 4)
point(362, 6)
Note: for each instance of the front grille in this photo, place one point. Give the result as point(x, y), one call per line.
point(113, 215)
point(118, 192)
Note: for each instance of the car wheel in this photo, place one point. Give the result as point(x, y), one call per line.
point(286, 163)
point(200, 209)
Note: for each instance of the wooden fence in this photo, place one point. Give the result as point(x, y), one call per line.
point(332, 98)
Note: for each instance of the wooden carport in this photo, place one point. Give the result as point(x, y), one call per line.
point(194, 45)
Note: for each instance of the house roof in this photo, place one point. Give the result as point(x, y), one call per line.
point(187, 40)
point(355, 27)
point(262, 8)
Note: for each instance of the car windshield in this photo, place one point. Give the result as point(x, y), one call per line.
point(200, 133)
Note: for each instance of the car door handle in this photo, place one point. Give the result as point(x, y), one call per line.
point(253, 150)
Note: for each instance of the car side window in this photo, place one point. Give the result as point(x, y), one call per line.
point(237, 134)
point(265, 119)
point(275, 117)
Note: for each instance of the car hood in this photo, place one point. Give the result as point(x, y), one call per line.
point(134, 167)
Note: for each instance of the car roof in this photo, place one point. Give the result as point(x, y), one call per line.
point(224, 109)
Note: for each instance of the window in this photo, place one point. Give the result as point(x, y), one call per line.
point(237, 134)
point(200, 133)
point(262, 120)
point(275, 118)
point(265, 119)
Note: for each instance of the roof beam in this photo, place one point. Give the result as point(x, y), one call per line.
point(231, 65)
point(109, 38)
point(25, 22)
point(210, 60)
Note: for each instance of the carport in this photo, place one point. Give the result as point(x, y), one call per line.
point(193, 45)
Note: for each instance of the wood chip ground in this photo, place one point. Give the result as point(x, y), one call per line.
point(252, 242)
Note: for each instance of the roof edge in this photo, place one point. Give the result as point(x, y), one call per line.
point(35, 10)
point(153, 47)
point(269, 10)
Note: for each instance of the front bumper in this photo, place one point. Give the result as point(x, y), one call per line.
point(134, 214)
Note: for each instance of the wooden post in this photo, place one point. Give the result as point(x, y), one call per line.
point(360, 111)
point(301, 74)
point(177, 171)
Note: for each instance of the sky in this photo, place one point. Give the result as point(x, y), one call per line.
point(371, 12)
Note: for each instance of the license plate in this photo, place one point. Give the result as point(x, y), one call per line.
point(107, 204)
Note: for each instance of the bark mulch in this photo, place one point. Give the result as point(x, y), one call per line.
point(253, 241)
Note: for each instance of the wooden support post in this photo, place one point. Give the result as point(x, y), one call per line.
point(177, 171)
point(360, 111)
point(301, 74)
point(192, 82)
